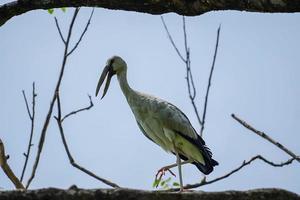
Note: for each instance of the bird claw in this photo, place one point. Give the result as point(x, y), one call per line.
point(160, 173)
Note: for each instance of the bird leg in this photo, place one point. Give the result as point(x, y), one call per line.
point(178, 161)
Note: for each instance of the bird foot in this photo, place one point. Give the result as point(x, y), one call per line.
point(162, 171)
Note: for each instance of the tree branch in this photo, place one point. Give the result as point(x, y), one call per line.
point(244, 164)
point(47, 120)
point(82, 34)
point(187, 62)
point(209, 81)
point(7, 170)
point(32, 119)
point(59, 121)
point(125, 194)
point(265, 136)
point(79, 110)
point(182, 7)
point(27, 105)
point(59, 31)
point(171, 39)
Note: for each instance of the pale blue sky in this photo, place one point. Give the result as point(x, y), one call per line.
point(256, 77)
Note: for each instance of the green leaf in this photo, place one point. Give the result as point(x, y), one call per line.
point(175, 184)
point(168, 179)
point(50, 11)
point(64, 9)
point(155, 183)
point(162, 183)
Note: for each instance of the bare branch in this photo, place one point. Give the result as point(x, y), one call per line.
point(32, 119)
point(209, 81)
point(79, 110)
point(189, 74)
point(82, 34)
point(244, 164)
point(7, 170)
point(59, 31)
point(185, 37)
point(171, 39)
point(187, 62)
point(47, 120)
point(265, 136)
point(59, 121)
point(27, 106)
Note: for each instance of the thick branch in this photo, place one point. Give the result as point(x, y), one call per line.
point(7, 170)
point(182, 7)
point(125, 194)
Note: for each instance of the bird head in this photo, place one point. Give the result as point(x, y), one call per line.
point(114, 65)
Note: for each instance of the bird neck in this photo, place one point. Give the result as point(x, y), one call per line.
point(122, 78)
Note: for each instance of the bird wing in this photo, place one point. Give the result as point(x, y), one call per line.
point(173, 118)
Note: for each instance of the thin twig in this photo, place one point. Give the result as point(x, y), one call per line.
point(209, 81)
point(185, 36)
point(7, 170)
point(82, 34)
point(47, 120)
point(187, 62)
point(59, 31)
point(245, 163)
point(171, 39)
point(26, 104)
point(72, 161)
point(32, 119)
point(189, 74)
point(265, 136)
point(79, 110)
point(189, 78)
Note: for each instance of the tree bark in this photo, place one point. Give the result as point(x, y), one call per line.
point(127, 194)
point(182, 7)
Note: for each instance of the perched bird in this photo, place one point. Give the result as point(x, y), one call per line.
point(161, 122)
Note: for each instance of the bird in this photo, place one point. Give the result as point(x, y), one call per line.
point(161, 122)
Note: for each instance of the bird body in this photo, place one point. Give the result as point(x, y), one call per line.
point(160, 121)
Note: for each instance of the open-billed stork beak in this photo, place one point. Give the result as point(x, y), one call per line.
point(107, 72)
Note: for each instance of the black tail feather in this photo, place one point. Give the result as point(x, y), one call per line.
point(208, 167)
point(205, 169)
point(209, 162)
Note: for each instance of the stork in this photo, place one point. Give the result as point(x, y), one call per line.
point(161, 122)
